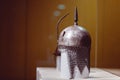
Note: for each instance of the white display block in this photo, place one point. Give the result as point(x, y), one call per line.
point(50, 73)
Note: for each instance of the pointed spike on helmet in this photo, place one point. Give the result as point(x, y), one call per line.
point(76, 16)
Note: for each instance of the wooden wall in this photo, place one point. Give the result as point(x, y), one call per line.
point(108, 33)
point(28, 34)
point(12, 39)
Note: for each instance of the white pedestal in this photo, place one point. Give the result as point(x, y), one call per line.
point(50, 73)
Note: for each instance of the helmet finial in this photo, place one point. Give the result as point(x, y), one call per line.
point(76, 16)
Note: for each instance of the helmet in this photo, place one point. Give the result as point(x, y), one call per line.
point(73, 49)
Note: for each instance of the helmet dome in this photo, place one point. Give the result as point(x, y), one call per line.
point(74, 36)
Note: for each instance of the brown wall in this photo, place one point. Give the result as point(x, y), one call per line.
point(28, 35)
point(108, 33)
point(12, 39)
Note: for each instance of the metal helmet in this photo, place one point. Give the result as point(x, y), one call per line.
point(75, 36)
point(75, 42)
